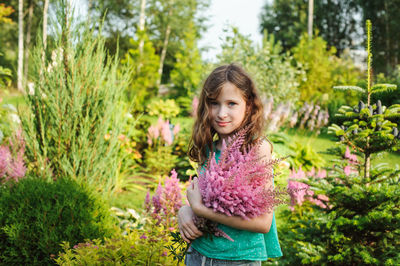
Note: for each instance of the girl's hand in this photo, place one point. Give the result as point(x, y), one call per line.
point(187, 228)
point(194, 196)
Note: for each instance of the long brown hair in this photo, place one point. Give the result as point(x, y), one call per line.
point(203, 133)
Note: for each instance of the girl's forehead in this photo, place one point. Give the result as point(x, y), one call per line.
point(230, 91)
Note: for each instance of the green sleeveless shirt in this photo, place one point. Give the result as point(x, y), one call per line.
point(246, 245)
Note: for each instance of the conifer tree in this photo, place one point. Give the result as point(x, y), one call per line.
point(369, 128)
point(73, 114)
point(360, 222)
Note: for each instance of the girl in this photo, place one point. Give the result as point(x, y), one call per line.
point(228, 102)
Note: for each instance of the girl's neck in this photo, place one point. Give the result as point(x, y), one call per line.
point(218, 144)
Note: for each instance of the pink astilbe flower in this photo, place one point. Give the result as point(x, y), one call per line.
point(300, 192)
point(321, 173)
point(5, 158)
point(16, 169)
point(166, 132)
point(352, 162)
point(176, 130)
point(12, 165)
point(152, 133)
point(237, 184)
point(298, 189)
point(172, 197)
point(351, 157)
point(157, 199)
point(167, 199)
point(147, 202)
point(162, 129)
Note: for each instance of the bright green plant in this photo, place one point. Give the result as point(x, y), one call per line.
point(138, 247)
point(76, 102)
point(164, 108)
point(37, 215)
point(271, 70)
point(5, 11)
point(183, 166)
point(160, 160)
point(304, 156)
point(188, 69)
point(143, 73)
point(9, 120)
point(369, 128)
point(129, 220)
point(323, 69)
point(5, 77)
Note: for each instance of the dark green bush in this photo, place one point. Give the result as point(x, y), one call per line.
point(37, 215)
point(361, 226)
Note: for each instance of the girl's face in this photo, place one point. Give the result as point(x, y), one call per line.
point(228, 110)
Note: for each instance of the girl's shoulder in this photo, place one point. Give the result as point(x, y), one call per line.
point(265, 148)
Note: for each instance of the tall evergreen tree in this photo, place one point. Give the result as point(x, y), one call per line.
point(335, 20)
point(32, 19)
point(384, 14)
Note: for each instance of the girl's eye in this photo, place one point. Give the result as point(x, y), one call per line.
point(213, 103)
point(231, 103)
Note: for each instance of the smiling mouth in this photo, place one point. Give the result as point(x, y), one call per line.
point(222, 124)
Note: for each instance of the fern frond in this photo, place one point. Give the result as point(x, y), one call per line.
point(344, 88)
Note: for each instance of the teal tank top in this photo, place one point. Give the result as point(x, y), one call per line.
point(246, 245)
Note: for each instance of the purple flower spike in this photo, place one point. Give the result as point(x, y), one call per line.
point(157, 199)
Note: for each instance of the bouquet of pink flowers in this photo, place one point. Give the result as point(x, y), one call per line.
point(240, 184)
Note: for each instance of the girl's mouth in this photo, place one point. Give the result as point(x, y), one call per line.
point(222, 124)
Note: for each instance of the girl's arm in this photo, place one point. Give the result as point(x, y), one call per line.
point(187, 228)
point(259, 224)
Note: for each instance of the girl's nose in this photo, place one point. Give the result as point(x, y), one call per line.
point(222, 112)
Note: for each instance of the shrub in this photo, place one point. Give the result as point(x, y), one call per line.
point(145, 236)
point(75, 103)
point(304, 156)
point(138, 247)
point(37, 215)
point(164, 108)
